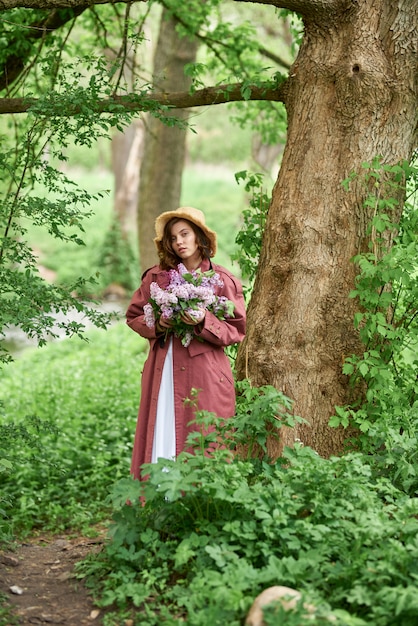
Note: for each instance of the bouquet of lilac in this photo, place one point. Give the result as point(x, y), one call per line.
point(187, 292)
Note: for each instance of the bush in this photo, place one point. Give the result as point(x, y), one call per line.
point(216, 530)
point(385, 417)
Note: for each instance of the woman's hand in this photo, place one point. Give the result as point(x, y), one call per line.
point(163, 325)
point(195, 319)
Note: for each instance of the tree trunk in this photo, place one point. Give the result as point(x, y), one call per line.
point(127, 148)
point(165, 146)
point(352, 95)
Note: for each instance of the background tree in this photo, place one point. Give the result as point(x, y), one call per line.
point(165, 145)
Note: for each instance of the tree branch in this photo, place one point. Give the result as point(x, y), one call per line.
point(274, 57)
point(58, 4)
point(176, 100)
point(55, 4)
point(306, 7)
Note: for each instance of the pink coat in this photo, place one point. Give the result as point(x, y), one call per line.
point(202, 365)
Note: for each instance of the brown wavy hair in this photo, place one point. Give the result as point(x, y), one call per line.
point(170, 260)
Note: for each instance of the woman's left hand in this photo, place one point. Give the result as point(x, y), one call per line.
point(195, 319)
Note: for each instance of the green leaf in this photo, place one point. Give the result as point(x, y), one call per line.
point(363, 368)
point(5, 464)
point(348, 369)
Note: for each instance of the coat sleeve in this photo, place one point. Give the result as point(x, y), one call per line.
point(135, 317)
point(231, 330)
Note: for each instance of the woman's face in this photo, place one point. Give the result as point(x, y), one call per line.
point(184, 244)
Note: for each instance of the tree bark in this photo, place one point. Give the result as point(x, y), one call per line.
point(165, 146)
point(352, 95)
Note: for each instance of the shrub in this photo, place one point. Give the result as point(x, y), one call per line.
point(217, 529)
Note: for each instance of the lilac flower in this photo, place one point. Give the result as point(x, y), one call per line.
point(183, 292)
point(149, 315)
point(186, 339)
point(187, 291)
point(222, 307)
point(162, 296)
point(167, 312)
point(181, 269)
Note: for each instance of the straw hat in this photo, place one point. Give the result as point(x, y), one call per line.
point(185, 213)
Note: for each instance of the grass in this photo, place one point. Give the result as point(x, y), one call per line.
point(6, 612)
point(78, 402)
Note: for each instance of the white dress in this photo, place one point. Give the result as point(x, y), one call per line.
point(164, 443)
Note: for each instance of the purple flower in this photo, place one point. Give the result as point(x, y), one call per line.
point(186, 291)
point(167, 312)
point(186, 338)
point(149, 315)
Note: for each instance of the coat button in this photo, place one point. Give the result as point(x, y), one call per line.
point(182, 369)
point(221, 380)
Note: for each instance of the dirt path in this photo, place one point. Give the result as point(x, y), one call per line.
point(41, 575)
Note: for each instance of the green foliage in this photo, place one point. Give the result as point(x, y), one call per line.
point(27, 301)
point(7, 618)
point(216, 529)
point(387, 322)
point(296, 27)
point(231, 44)
point(56, 59)
point(259, 115)
point(260, 414)
point(28, 433)
point(250, 237)
point(67, 429)
point(232, 48)
point(74, 85)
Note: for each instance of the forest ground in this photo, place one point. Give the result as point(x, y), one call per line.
point(42, 568)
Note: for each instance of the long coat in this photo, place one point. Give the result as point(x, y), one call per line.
point(202, 365)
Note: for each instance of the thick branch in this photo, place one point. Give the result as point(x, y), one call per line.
point(181, 100)
point(292, 5)
point(304, 7)
point(57, 4)
point(307, 7)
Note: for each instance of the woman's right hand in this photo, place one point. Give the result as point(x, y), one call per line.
point(163, 324)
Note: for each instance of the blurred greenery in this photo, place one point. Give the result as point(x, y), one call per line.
point(215, 139)
point(208, 187)
point(68, 259)
point(214, 190)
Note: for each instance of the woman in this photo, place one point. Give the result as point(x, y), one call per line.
point(172, 370)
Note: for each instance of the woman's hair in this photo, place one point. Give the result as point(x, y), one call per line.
point(168, 259)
